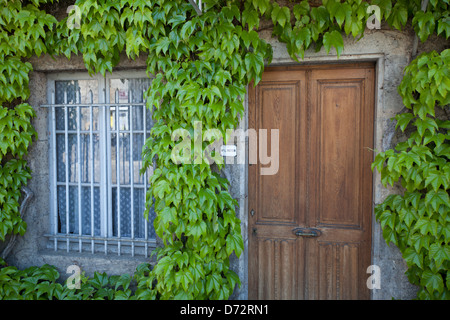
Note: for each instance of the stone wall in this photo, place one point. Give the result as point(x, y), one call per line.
point(390, 50)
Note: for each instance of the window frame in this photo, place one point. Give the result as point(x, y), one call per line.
point(109, 242)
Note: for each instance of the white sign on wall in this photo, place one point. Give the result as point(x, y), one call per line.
point(228, 151)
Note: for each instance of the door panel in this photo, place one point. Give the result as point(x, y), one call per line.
point(272, 97)
point(324, 115)
point(338, 171)
point(275, 280)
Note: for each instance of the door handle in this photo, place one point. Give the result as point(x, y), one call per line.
point(307, 232)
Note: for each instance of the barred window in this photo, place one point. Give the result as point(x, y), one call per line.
point(98, 127)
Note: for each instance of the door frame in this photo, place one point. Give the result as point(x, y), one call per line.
point(241, 263)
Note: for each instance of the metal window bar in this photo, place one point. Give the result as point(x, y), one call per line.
point(91, 161)
point(81, 238)
point(106, 203)
point(117, 127)
point(98, 240)
point(78, 159)
point(121, 104)
point(144, 112)
point(66, 142)
point(131, 170)
point(55, 198)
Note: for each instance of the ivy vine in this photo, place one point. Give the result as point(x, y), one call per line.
point(201, 66)
point(418, 221)
point(24, 30)
point(43, 283)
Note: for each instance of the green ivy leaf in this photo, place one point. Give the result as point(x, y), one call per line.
point(213, 282)
point(436, 179)
point(398, 16)
point(424, 24)
point(261, 5)
point(432, 281)
point(251, 19)
point(185, 278)
point(413, 258)
point(437, 198)
point(444, 27)
point(100, 280)
point(403, 120)
point(426, 124)
point(389, 235)
point(280, 15)
point(340, 12)
point(387, 218)
point(419, 241)
point(161, 187)
point(333, 39)
point(439, 253)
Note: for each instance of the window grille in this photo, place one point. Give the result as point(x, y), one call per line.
point(98, 127)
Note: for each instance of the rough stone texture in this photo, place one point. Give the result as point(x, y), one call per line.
point(390, 50)
point(236, 173)
point(47, 63)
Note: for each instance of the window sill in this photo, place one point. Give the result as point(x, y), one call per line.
point(100, 246)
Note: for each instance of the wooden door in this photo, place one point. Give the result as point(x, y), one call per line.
point(310, 223)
